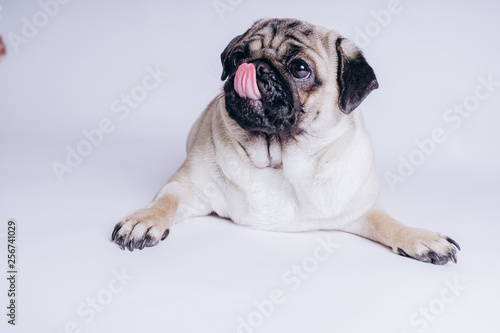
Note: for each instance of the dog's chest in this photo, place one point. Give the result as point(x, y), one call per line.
point(278, 198)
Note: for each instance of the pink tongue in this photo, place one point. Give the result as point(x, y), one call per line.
point(245, 83)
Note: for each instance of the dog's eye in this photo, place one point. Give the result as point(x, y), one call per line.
point(237, 58)
point(299, 69)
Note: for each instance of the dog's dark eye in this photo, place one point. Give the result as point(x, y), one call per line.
point(237, 58)
point(299, 69)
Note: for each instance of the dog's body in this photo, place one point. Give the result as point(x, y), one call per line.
point(281, 149)
point(296, 188)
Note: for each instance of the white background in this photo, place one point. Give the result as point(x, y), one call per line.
point(209, 272)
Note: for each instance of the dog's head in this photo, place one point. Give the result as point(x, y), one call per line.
point(282, 74)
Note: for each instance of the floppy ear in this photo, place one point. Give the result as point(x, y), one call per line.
point(224, 57)
point(355, 77)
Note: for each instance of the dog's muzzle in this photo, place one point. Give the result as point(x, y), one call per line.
point(260, 99)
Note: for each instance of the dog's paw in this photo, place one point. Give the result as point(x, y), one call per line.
point(426, 246)
point(143, 228)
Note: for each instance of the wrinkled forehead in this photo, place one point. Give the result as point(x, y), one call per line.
point(284, 39)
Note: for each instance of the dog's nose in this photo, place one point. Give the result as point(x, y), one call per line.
point(262, 68)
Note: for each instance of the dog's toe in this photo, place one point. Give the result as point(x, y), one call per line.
point(139, 230)
point(427, 246)
point(437, 259)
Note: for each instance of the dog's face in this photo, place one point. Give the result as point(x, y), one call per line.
point(283, 74)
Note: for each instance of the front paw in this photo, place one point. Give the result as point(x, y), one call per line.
point(426, 246)
point(143, 228)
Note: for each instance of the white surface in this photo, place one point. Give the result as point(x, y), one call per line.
point(209, 272)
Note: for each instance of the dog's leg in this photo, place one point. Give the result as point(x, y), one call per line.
point(419, 244)
point(176, 201)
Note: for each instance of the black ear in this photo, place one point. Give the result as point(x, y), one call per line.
point(224, 57)
point(355, 77)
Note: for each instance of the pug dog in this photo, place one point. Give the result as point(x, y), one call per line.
point(284, 148)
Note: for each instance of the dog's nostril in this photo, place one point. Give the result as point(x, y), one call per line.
point(262, 68)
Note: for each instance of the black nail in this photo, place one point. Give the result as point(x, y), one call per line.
point(121, 242)
point(403, 253)
point(165, 234)
point(143, 243)
point(453, 257)
point(117, 227)
point(434, 257)
point(454, 243)
point(131, 245)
